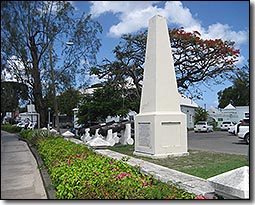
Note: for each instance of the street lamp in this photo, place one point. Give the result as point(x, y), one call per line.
point(49, 109)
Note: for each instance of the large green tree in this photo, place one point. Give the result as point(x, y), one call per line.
point(238, 93)
point(34, 36)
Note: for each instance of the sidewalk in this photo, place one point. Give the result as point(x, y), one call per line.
point(20, 177)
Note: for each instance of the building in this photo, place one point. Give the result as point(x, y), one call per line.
point(229, 113)
point(188, 107)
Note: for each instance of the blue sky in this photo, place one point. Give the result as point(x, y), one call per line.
point(228, 20)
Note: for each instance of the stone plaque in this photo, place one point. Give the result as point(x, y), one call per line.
point(144, 134)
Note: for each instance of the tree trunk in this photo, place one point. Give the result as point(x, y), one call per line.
point(37, 87)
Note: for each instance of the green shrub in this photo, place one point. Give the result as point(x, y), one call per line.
point(26, 134)
point(78, 173)
point(11, 128)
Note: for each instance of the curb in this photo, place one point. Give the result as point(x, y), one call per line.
point(49, 189)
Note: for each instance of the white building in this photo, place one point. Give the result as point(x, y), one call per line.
point(229, 113)
point(188, 107)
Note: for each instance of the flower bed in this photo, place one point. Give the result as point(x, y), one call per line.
point(78, 173)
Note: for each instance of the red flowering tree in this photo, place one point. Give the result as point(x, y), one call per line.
point(196, 61)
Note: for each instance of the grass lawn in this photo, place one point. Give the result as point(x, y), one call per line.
point(199, 163)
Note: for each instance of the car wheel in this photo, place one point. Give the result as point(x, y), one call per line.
point(247, 138)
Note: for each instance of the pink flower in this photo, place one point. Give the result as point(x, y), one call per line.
point(145, 183)
point(122, 175)
point(200, 197)
point(78, 155)
point(110, 162)
point(68, 163)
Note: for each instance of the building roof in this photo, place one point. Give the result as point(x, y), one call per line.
point(185, 101)
point(229, 107)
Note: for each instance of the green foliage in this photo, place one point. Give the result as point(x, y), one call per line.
point(200, 114)
point(105, 101)
point(11, 93)
point(238, 93)
point(68, 100)
point(10, 128)
point(26, 134)
point(79, 173)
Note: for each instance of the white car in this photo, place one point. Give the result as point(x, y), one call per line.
point(231, 129)
point(244, 121)
point(225, 125)
point(203, 126)
point(244, 133)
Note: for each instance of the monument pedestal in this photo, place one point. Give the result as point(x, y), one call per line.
point(166, 126)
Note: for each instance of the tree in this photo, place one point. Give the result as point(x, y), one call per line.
point(107, 100)
point(11, 94)
point(238, 93)
point(201, 114)
point(68, 100)
point(196, 60)
point(30, 45)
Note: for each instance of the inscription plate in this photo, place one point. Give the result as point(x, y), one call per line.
point(144, 131)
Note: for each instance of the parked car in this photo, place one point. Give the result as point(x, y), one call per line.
point(225, 125)
point(231, 129)
point(244, 121)
point(244, 133)
point(203, 126)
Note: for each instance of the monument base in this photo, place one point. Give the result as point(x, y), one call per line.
point(160, 135)
point(160, 156)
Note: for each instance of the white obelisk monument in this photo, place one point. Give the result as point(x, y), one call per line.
point(160, 126)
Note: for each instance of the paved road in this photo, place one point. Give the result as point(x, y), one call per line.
point(20, 177)
point(218, 141)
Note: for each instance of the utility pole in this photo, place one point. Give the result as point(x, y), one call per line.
point(54, 89)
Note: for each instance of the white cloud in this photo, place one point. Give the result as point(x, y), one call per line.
point(134, 15)
point(241, 60)
point(224, 31)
